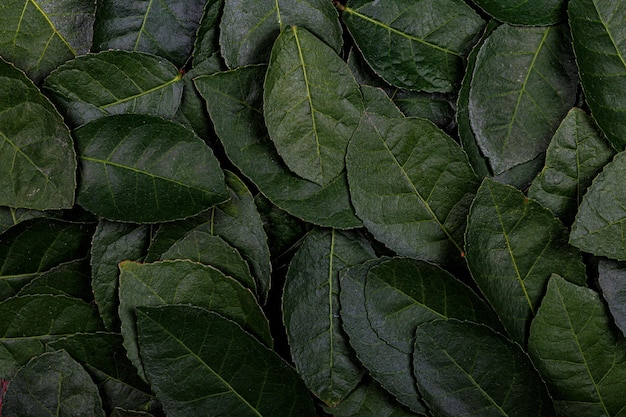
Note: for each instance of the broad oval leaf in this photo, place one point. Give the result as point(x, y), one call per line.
point(576, 154)
point(408, 50)
point(525, 12)
point(532, 89)
point(166, 28)
point(37, 158)
point(513, 245)
point(144, 169)
point(196, 360)
point(248, 29)
point(114, 82)
point(612, 280)
point(600, 46)
point(39, 35)
point(573, 344)
point(411, 184)
point(312, 105)
point(467, 369)
point(234, 100)
point(320, 349)
point(601, 219)
point(52, 384)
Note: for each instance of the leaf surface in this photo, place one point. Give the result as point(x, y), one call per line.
point(207, 58)
point(612, 280)
point(525, 12)
point(72, 279)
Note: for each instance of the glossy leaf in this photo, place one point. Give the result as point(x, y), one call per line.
point(464, 368)
point(166, 28)
point(37, 36)
point(114, 82)
point(230, 372)
point(37, 158)
point(320, 350)
point(72, 279)
point(599, 224)
point(576, 154)
point(612, 280)
point(234, 100)
point(312, 105)
point(249, 29)
point(409, 51)
point(533, 12)
point(52, 384)
point(145, 169)
point(600, 45)
point(573, 345)
point(533, 88)
point(513, 245)
point(411, 185)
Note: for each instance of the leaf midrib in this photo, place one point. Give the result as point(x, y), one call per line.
point(142, 93)
point(52, 26)
point(608, 32)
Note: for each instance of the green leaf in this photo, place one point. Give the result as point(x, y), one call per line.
point(145, 169)
point(528, 74)
point(612, 280)
point(72, 279)
point(576, 154)
point(378, 102)
point(38, 36)
point(575, 349)
point(601, 219)
point(114, 82)
point(411, 184)
point(185, 282)
point(10, 216)
point(600, 47)
point(166, 28)
point(513, 245)
point(197, 360)
point(464, 368)
point(528, 12)
point(248, 29)
point(120, 412)
point(52, 384)
point(234, 100)
point(37, 158)
point(408, 50)
point(432, 106)
point(312, 105)
point(206, 51)
point(320, 350)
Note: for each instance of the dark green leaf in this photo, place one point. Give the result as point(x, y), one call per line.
point(410, 51)
point(52, 384)
point(197, 361)
point(435, 107)
point(10, 216)
point(37, 158)
point(206, 51)
point(378, 102)
point(192, 113)
point(528, 74)
point(40, 35)
point(612, 280)
point(248, 29)
point(145, 169)
point(575, 349)
point(120, 412)
point(467, 369)
point(72, 279)
point(600, 45)
point(320, 349)
point(411, 184)
point(115, 82)
point(234, 100)
point(525, 12)
point(312, 105)
point(513, 245)
point(166, 28)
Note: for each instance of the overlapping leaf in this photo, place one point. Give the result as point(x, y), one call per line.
point(612, 280)
point(530, 12)
point(206, 51)
point(71, 279)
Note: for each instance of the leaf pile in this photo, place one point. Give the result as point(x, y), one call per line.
point(312, 208)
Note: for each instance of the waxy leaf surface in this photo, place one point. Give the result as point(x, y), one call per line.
point(525, 12)
point(612, 280)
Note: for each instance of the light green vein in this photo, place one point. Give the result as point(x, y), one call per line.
point(608, 32)
point(330, 301)
point(143, 93)
point(52, 26)
point(143, 25)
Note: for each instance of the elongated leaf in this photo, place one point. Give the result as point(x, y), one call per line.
point(248, 29)
point(37, 158)
point(166, 28)
point(532, 89)
point(612, 280)
point(574, 347)
point(234, 100)
point(513, 245)
point(114, 82)
point(224, 369)
point(206, 52)
point(411, 185)
point(408, 50)
point(38, 36)
point(467, 369)
point(599, 224)
point(576, 154)
point(600, 45)
point(72, 279)
point(52, 384)
point(145, 169)
point(320, 349)
point(529, 12)
point(312, 105)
